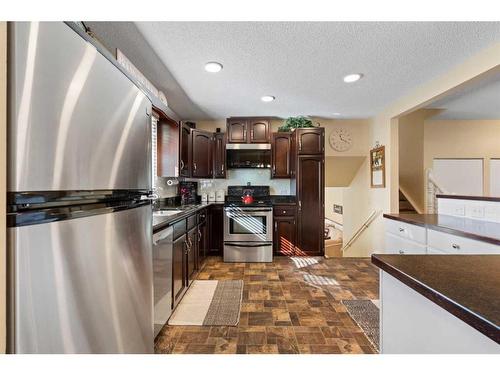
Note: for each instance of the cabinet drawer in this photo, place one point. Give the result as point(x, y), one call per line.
point(395, 244)
point(191, 222)
point(288, 210)
point(179, 228)
point(405, 230)
point(452, 244)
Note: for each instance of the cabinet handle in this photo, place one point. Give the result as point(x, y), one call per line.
point(194, 166)
point(182, 164)
point(251, 134)
point(275, 225)
point(300, 144)
point(455, 246)
point(222, 168)
point(300, 205)
point(199, 235)
point(187, 247)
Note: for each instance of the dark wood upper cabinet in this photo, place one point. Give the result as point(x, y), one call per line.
point(219, 155)
point(201, 155)
point(259, 131)
point(248, 130)
point(185, 151)
point(310, 141)
point(237, 131)
point(281, 155)
point(311, 208)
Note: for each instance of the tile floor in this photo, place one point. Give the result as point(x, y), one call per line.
point(290, 306)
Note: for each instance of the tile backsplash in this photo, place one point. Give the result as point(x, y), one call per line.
point(163, 189)
point(242, 177)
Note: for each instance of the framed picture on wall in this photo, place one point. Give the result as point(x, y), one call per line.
point(377, 167)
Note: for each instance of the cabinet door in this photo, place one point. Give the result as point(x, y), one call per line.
point(395, 244)
point(178, 270)
point(202, 244)
point(216, 223)
point(310, 141)
point(192, 238)
point(259, 130)
point(237, 131)
point(281, 147)
point(219, 155)
point(201, 154)
point(310, 210)
point(185, 151)
point(284, 235)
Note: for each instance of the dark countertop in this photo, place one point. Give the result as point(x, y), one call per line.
point(469, 197)
point(283, 199)
point(480, 230)
point(467, 286)
point(161, 222)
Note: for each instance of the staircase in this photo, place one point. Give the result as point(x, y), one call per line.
point(405, 206)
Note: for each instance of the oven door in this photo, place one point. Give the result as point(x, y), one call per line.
point(248, 224)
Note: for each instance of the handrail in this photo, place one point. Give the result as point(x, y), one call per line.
point(361, 229)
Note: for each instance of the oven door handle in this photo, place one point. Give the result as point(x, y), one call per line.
point(239, 244)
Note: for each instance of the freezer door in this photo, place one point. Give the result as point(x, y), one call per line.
point(82, 285)
point(75, 121)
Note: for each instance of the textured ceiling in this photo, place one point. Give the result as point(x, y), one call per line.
point(480, 101)
point(302, 63)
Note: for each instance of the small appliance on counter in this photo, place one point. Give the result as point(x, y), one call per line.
point(248, 218)
point(211, 196)
point(220, 196)
point(188, 191)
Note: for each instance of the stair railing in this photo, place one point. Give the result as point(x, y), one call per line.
point(360, 230)
point(433, 188)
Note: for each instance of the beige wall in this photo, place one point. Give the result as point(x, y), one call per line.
point(334, 195)
point(411, 156)
point(462, 139)
point(3, 180)
point(384, 129)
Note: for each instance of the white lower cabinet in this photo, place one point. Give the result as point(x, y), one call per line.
point(450, 244)
point(404, 238)
point(398, 245)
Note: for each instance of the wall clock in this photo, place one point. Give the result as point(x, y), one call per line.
point(340, 139)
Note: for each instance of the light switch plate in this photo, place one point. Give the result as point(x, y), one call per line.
point(459, 210)
point(477, 212)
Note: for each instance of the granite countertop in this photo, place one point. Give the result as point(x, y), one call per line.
point(467, 286)
point(160, 222)
point(481, 230)
point(283, 199)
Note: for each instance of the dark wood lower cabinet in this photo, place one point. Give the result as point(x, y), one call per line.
point(178, 267)
point(192, 239)
point(216, 225)
point(284, 235)
point(310, 210)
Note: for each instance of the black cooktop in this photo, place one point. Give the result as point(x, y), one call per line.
point(260, 194)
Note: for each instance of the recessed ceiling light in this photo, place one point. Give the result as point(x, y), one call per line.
point(353, 77)
point(213, 67)
point(267, 98)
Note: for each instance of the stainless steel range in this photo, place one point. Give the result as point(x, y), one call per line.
point(248, 235)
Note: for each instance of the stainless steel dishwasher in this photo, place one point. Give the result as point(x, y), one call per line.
point(162, 273)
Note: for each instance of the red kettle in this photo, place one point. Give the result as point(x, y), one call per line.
point(247, 198)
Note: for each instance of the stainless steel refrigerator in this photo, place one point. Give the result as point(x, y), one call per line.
point(79, 231)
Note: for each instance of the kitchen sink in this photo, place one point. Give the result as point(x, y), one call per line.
point(166, 212)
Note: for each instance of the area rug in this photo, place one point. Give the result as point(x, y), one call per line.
point(210, 303)
point(366, 315)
